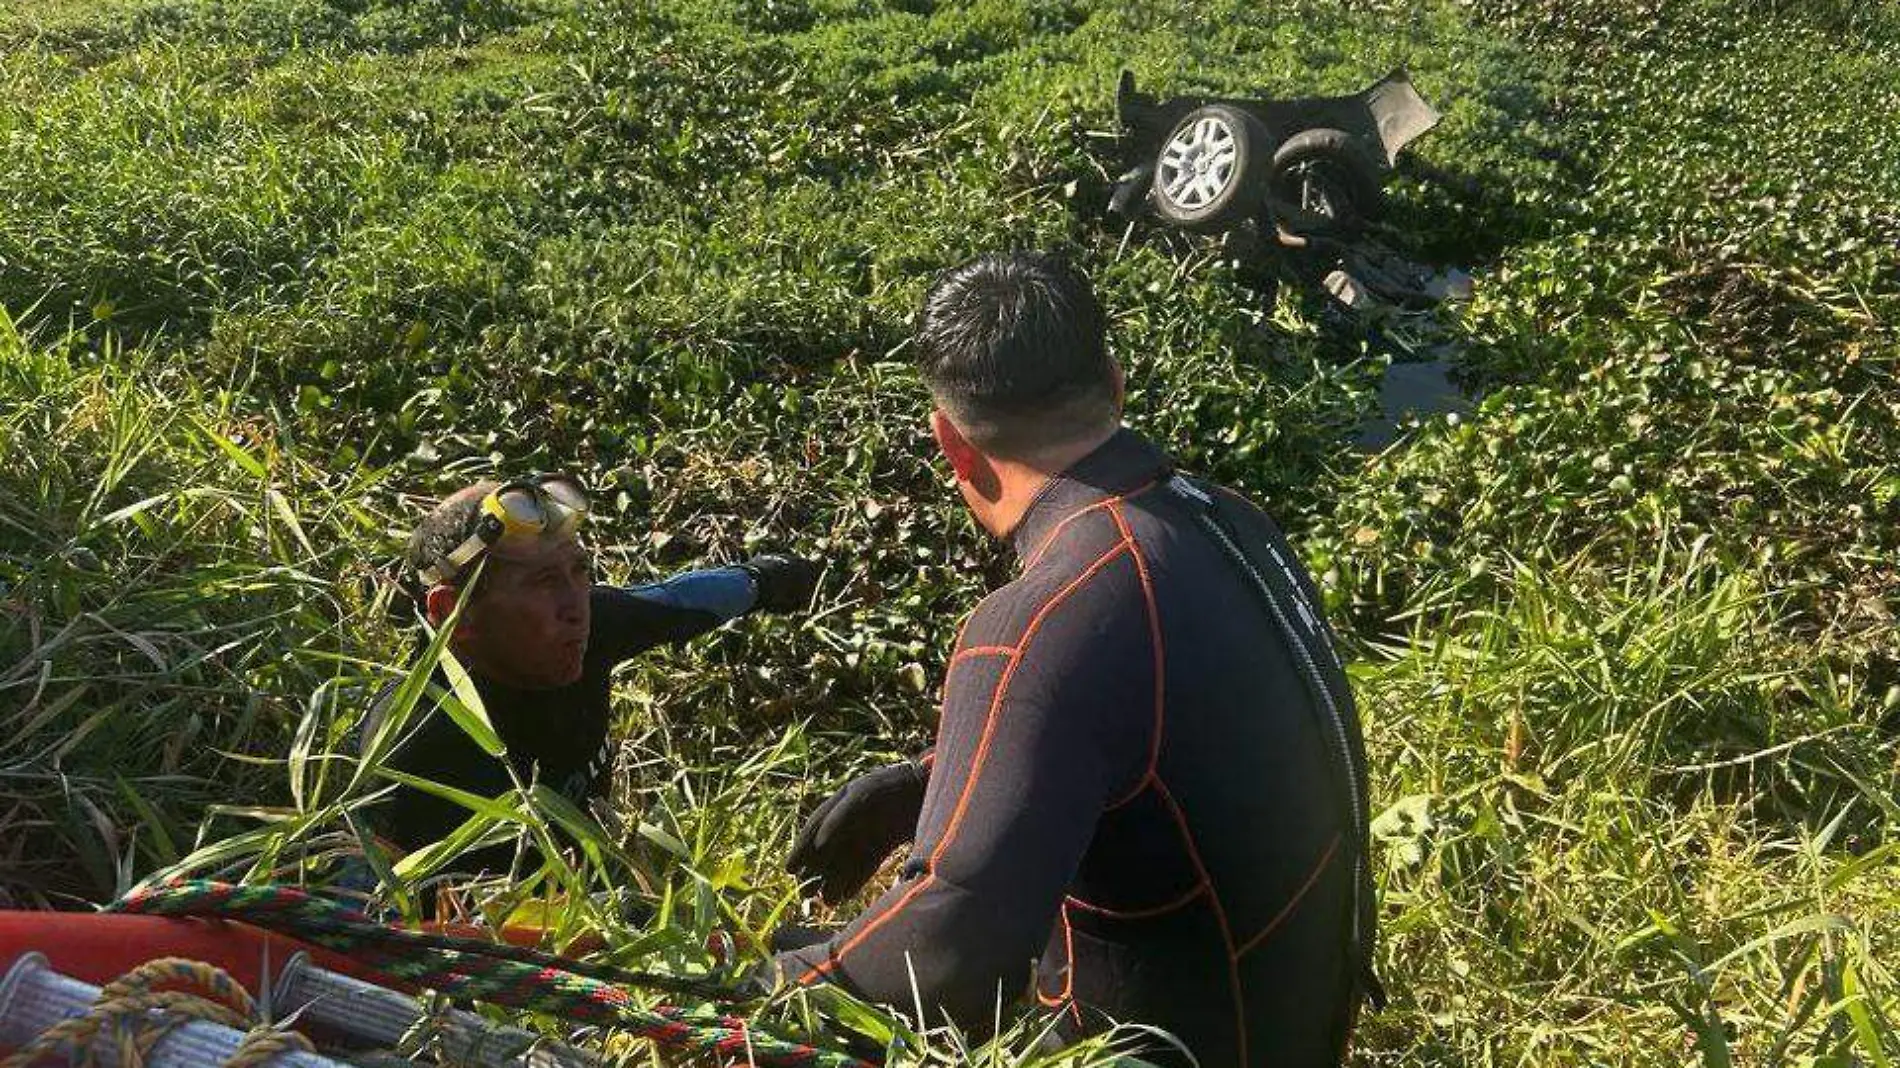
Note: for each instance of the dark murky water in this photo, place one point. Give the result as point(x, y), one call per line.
point(1411, 390)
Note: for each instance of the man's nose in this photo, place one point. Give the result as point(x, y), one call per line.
point(573, 606)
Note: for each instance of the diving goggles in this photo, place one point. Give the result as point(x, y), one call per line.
point(544, 506)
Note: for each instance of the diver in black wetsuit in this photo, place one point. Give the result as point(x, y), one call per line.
point(540, 640)
point(1148, 777)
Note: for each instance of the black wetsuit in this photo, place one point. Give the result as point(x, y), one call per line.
point(1138, 784)
point(559, 736)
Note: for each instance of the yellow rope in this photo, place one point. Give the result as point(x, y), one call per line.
point(210, 983)
point(142, 1013)
point(264, 1044)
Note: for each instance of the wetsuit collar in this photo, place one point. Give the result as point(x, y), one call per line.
point(1124, 463)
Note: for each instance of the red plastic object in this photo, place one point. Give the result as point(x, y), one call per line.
point(100, 947)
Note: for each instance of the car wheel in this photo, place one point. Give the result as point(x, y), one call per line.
point(1323, 182)
point(1208, 175)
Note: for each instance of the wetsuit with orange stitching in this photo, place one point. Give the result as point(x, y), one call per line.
point(1132, 798)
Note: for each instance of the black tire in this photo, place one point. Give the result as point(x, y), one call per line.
point(1324, 182)
point(1210, 171)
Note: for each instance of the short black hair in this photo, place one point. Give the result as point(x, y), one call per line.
point(1014, 346)
point(441, 532)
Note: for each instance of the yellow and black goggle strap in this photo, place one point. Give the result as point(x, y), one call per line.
point(544, 506)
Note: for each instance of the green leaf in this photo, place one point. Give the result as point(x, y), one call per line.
point(300, 745)
point(476, 831)
point(151, 819)
point(496, 808)
point(1867, 1029)
point(401, 704)
point(1805, 925)
point(378, 860)
point(578, 825)
point(466, 707)
point(236, 452)
point(666, 840)
point(216, 855)
point(860, 1016)
point(1875, 858)
point(282, 507)
point(135, 508)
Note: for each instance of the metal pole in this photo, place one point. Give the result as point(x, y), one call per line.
point(34, 999)
point(375, 1016)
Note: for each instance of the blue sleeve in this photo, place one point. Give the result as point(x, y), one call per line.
point(726, 592)
point(632, 619)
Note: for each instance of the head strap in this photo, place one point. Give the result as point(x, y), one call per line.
point(541, 506)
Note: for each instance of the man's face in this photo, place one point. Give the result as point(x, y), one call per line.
point(528, 624)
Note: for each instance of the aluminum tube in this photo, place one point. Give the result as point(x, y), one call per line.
point(34, 998)
point(375, 1016)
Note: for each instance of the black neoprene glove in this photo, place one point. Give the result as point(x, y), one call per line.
point(849, 835)
point(782, 583)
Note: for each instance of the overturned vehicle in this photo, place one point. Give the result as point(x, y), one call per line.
point(1300, 168)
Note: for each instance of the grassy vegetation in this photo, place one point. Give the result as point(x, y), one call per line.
point(278, 271)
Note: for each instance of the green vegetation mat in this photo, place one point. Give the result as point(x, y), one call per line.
point(275, 272)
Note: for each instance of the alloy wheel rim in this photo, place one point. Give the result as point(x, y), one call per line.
point(1199, 162)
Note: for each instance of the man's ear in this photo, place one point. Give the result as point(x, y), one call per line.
point(1117, 384)
point(964, 457)
point(439, 602)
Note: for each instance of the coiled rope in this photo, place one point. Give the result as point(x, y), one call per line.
point(143, 1006)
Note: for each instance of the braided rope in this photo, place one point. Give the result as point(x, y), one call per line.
point(308, 926)
point(472, 969)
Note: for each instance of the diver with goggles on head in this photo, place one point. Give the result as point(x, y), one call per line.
point(540, 639)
